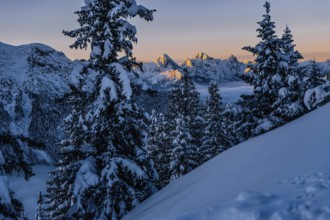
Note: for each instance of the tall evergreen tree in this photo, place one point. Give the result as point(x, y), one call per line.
point(266, 77)
point(185, 126)
point(116, 173)
point(290, 101)
point(60, 186)
point(214, 140)
point(185, 100)
point(158, 145)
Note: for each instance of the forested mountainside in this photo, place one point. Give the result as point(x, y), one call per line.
point(34, 80)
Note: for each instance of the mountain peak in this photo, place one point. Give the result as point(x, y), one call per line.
point(188, 62)
point(202, 56)
point(165, 60)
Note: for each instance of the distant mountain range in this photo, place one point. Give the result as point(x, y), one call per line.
point(163, 72)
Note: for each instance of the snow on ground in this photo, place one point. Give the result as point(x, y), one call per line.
point(27, 192)
point(283, 174)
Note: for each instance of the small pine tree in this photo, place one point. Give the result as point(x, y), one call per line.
point(315, 86)
point(228, 125)
point(183, 155)
point(214, 140)
point(313, 76)
point(41, 214)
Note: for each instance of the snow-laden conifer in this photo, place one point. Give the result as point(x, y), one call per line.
point(185, 133)
point(267, 78)
point(289, 104)
point(214, 140)
point(115, 173)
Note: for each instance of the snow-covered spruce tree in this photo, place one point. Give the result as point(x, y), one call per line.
point(228, 125)
point(183, 153)
point(185, 135)
point(313, 76)
point(60, 186)
point(152, 139)
point(290, 101)
point(266, 77)
point(117, 173)
point(41, 213)
point(315, 86)
point(185, 100)
point(214, 140)
point(158, 145)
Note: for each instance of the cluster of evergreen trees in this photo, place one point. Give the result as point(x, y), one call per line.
point(280, 84)
point(114, 156)
point(190, 133)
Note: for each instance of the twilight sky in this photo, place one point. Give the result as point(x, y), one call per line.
point(181, 27)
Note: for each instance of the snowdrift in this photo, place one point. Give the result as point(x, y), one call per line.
point(283, 174)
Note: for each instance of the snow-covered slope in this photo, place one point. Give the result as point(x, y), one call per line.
point(283, 174)
point(27, 191)
point(33, 79)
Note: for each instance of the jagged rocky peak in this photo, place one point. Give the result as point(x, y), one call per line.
point(165, 61)
point(202, 56)
point(188, 62)
point(232, 58)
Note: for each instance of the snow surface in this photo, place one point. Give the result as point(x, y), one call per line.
point(283, 174)
point(4, 193)
point(27, 191)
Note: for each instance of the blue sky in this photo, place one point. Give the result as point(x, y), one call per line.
point(181, 27)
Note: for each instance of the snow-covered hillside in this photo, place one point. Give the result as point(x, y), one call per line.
point(283, 174)
point(33, 79)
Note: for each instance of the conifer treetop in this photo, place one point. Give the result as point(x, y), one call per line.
point(105, 27)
